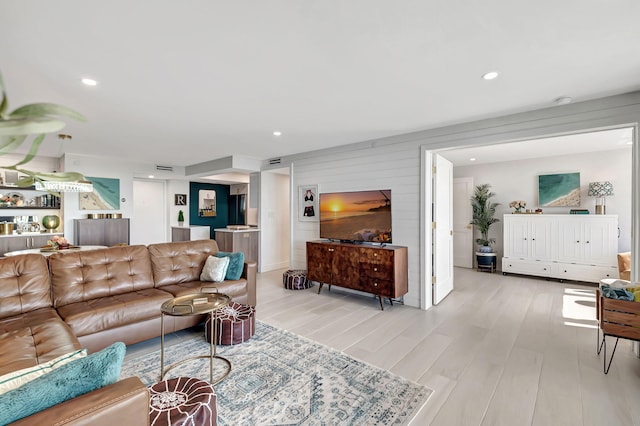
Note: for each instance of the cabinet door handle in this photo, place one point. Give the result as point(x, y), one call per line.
point(533, 239)
point(375, 284)
point(375, 269)
point(578, 241)
point(525, 238)
point(587, 242)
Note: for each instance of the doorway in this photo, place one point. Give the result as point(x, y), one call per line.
point(149, 222)
point(599, 155)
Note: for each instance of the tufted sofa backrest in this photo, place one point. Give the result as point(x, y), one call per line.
point(180, 262)
point(24, 284)
point(85, 275)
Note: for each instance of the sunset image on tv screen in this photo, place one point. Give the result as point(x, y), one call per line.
point(356, 216)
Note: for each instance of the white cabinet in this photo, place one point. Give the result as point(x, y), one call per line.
point(592, 240)
point(573, 247)
point(529, 236)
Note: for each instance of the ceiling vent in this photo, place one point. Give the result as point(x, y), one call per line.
point(275, 161)
point(164, 168)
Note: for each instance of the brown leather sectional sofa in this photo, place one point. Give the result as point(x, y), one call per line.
point(91, 299)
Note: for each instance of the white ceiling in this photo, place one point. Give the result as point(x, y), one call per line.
point(184, 82)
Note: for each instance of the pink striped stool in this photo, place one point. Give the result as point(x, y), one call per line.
point(236, 323)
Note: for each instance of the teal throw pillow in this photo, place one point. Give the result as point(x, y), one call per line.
point(66, 382)
point(236, 264)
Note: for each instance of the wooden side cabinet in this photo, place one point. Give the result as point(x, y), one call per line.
point(101, 232)
point(382, 271)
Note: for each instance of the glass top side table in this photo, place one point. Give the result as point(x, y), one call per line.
point(195, 304)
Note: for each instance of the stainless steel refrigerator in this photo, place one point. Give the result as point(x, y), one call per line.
point(238, 209)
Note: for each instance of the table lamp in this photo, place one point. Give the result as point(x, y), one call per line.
point(600, 190)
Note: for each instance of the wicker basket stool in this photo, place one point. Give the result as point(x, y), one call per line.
point(182, 401)
point(295, 279)
point(236, 323)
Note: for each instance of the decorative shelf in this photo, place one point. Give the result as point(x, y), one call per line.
point(29, 208)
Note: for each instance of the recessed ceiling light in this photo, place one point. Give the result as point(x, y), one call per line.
point(490, 75)
point(89, 81)
point(630, 143)
point(277, 133)
point(151, 176)
point(472, 159)
point(563, 100)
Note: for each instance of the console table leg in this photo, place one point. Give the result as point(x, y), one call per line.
point(381, 305)
point(320, 287)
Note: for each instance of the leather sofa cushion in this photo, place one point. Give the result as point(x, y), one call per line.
point(95, 315)
point(180, 262)
point(34, 338)
point(237, 289)
point(93, 274)
point(24, 284)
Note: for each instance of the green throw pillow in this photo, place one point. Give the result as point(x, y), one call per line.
point(67, 382)
point(236, 264)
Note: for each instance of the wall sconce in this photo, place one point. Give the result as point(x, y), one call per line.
point(600, 190)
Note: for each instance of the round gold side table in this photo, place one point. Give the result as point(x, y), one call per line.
point(195, 304)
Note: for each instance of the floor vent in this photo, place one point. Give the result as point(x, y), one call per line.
point(164, 168)
point(275, 161)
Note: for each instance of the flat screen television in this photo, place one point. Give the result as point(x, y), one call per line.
point(361, 216)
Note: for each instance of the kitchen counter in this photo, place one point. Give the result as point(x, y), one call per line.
point(190, 233)
point(252, 229)
point(244, 240)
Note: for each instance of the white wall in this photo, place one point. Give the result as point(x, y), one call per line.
point(518, 180)
point(274, 222)
point(117, 168)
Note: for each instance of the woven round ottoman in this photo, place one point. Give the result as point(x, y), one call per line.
point(236, 323)
point(295, 279)
point(184, 401)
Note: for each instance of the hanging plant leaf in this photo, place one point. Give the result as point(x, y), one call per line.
point(32, 126)
point(44, 110)
point(35, 145)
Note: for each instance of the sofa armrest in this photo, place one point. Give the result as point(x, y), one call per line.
point(122, 403)
point(249, 273)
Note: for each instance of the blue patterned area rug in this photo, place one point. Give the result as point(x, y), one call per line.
point(279, 378)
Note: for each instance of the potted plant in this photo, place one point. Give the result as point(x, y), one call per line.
point(180, 218)
point(484, 211)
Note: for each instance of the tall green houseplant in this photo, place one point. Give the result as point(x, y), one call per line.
point(484, 211)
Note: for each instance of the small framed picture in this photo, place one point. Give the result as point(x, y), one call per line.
point(180, 199)
point(308, 203)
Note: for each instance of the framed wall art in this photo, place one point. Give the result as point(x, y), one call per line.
point(559, 190)
point(105, 195)
point(308, 203)
point(180, 199)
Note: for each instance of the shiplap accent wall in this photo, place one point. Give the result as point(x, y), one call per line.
point(366, 168)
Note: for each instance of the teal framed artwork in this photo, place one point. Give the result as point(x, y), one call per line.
point(559, 190)
point(105, 195)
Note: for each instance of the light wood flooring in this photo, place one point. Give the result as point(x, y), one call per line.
point(499, 350)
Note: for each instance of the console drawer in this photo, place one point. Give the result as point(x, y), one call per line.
point(376, 270)
point(376, 286)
